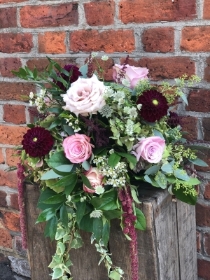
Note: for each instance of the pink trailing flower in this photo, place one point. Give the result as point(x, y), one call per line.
point(129, 220)
point(150, 149)
point(77, 148)
point(21, 177)
point(95, 178)
point(131, 73)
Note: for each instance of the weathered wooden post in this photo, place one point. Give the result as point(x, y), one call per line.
point(167, 249)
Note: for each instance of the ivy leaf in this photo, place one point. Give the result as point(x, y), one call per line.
point(141, 220)
point(57, 273)
point(114, 275)
point(113, 160)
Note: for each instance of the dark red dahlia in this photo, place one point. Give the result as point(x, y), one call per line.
point(154, 105)
point(37, 142)
point(173, 120)
point(74, 74)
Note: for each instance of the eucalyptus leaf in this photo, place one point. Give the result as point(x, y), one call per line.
point(167, 168)
point(86, 165)
point(152, 170)
point(181, 174)
point(50, 175)
point(199, 162)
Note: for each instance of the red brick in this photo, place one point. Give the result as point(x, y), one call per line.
point(52, 42)
point(95, 10)
point(189, 125)
point(5, 238)
point(15, 91)
point(8, 178)
point(207, 70)
point(11, 134)
point(199, 100)
point(198, 241)
point(14, 114)
point(8, 64)
point(203, 215)
point(108, 41)
point(204, 269)
point(158, 39)
point(49, 16)
point(14, 201)
point(206, 130)
point(8, 17)
point(3, 201)
point(138, 11)
point(168, 68)
point(11, 220)
point(206, 9)
point(9, 1)
point(207, 243)
point(15, 42)
point(2, 160)
point(207, 192)
point(195, 39)
point(11, 157)
point(41, 63)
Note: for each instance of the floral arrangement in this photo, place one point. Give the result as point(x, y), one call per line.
point(90, 147)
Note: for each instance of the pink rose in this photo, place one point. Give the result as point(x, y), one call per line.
point(77, 148)
point(95, 178)
point(85, 96)
point(131, 73)
point(151, 149)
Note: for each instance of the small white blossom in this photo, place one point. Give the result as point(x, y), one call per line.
point(96, 214)
point(99, 189)
point(31, 95)
point(104, 57)
point(139, 106)
point(94, 54)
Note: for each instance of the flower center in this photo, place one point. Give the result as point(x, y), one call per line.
point(155, 102)
point(35, 139)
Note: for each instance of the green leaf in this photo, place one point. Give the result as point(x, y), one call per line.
point(113, 160)
point(141, 220)
point(112, 214)
point(50, 175)
point(181, 174)
point(64, 168)
point(134, 195)
point(132, 159)
point(47, 193)
point(71, 184)
point(158, 133)
point(64, 216)
point(193, 181)
point(57, 159)
point(51, 227)
point(55, 199)
point(188, 198)
point(150, 181)
point(45, 215)
point(86, 223)
point(167, 168)
point(152, 170)
point(97, 228)
point(86, 165)
point(107, 201)
point(68, 129)
point(114, 275)
point(86, 182)
point(199, 162)
point(161, 180)
point(81, 206)
point(106, 232)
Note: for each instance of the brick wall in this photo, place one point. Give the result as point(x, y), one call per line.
point(169, 37)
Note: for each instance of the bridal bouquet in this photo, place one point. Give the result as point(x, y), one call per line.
point(90, 147)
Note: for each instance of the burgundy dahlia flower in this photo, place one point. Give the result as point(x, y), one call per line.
point(154, 105)
point(37, 142)
point(74, 74)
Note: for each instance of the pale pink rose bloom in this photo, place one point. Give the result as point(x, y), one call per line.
point(131, 73)
point(151, 149)
point(85, 96)
point(95, 178)
point(77, 148)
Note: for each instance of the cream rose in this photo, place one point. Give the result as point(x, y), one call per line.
point(151, 149)
point(95, 178)
point(131, 73)
point(77, 148)
point(85, 96)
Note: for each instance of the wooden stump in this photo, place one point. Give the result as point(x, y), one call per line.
point(167, 249)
